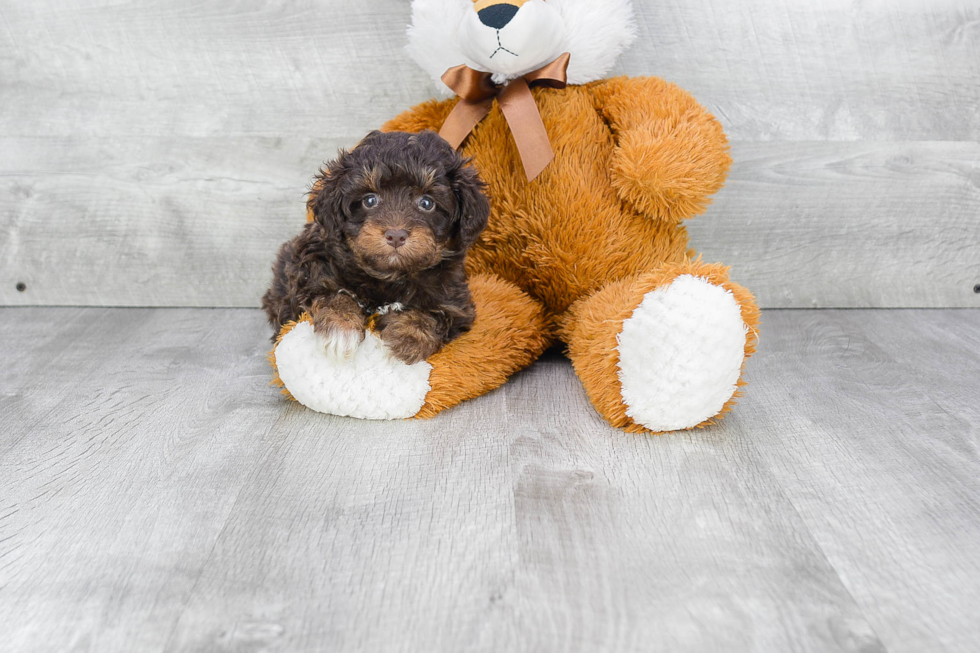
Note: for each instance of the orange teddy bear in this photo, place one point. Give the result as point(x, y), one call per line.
point(590, 180)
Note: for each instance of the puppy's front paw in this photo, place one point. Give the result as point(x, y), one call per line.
point(340, 344)
point(411, 336)
point(339, 327)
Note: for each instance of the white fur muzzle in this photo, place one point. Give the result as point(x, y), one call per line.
point(447, 33)
point(532, 38)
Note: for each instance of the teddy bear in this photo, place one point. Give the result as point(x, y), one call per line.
point(590, 180)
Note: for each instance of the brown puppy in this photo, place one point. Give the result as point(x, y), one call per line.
point(393, 219)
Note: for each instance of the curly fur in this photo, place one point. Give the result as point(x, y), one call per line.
point(341, 270)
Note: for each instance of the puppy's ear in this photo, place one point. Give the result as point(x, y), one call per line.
point(472, 206)
point(328, 200)
point(370, 138)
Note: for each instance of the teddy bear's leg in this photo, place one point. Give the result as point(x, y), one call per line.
point(509, 333)
point(663, 351)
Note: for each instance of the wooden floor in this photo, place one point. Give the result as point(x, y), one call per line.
point(157, 495)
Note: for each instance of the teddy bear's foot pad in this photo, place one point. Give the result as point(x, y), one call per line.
point(371, 385)
point(680, 354)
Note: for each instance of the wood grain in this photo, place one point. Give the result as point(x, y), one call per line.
point(367, 536)
point(838, 70)
point(156, 495)
point(507, 525)
point(125, 437)
point(815, 225)
point(192, 68)
point(654, 534)
point(156, 153)
point(835, 70)
point(801, 224)
point(868, 420)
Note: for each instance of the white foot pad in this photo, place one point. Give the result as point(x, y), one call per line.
point(371, 385)
point(680, 354)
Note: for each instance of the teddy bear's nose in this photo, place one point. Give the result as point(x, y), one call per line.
point(497, 16)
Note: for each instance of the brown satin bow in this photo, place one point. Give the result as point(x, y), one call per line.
point(477, 92)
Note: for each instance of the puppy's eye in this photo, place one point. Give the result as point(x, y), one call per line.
point(426, 203)
point(371, 201)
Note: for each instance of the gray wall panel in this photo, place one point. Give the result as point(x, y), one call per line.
point(156, 153)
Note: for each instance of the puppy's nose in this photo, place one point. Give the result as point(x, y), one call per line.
point(497, 16)
point(396, 237)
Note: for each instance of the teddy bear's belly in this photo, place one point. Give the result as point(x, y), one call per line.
point(567, 233)
point(580, 243)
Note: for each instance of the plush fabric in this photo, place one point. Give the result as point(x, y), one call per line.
point(371, 385)
point(447, 33)
point(510, 332)
point(593, 252)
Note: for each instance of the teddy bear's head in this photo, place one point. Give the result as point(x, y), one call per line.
point(510, 38)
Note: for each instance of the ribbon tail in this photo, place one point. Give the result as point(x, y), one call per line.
point(462, 119)
point(525, 123)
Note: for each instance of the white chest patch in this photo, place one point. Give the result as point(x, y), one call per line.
point(390, 308)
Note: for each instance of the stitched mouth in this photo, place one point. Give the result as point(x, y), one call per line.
point(501, 48)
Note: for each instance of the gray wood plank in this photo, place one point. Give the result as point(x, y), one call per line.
point(801, 224)
point(868, 421)
point(855, 225)
point(186, 68)
point(156, 495)
point(196, 222)
point(835, 70)
point(156, 153)
point(675, 543)
point(516, 522)
point(125, 437)
point(367, 536)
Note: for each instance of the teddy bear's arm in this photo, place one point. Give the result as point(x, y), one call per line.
point(428, 115)
point(671, 154)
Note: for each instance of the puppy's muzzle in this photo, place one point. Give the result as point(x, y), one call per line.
point(396, 237)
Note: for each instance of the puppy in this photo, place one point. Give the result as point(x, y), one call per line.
point(393, 219)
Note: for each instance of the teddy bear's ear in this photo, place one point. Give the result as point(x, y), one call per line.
point(433, 37)
point(596, 33)
point(472, 205)
point(369, 139)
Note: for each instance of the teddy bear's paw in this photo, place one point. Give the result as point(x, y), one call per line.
point(369, 384)
point(681, 354)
